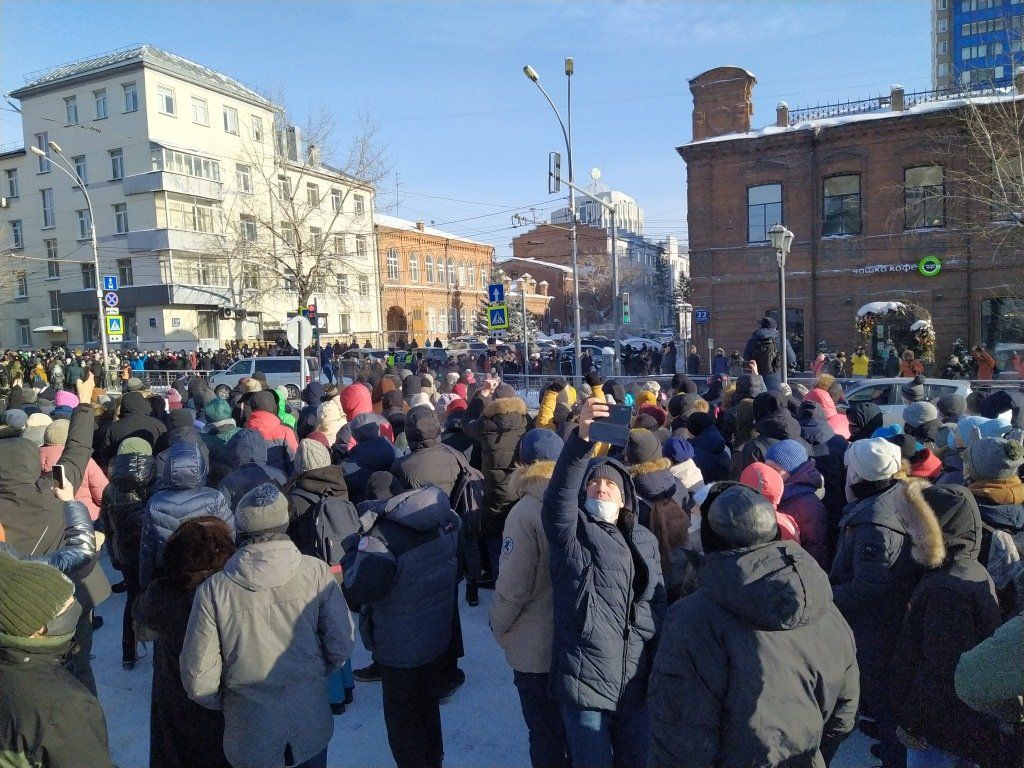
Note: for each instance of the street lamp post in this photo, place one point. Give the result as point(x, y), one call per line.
point(531, 73)
point(782, 241)
point(71, 173)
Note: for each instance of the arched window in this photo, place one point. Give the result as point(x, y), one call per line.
point(430, 268)
point(392, 263)
point(451, 271)
point(414, 267)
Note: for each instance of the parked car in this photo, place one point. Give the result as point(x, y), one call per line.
point(280, 371)
point(885, 393)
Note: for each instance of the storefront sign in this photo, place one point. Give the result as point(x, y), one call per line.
point(929, 266)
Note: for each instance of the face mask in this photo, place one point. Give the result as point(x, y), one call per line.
point(603, 510)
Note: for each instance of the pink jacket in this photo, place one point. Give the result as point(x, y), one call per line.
point(839, 423)
point(94, 481)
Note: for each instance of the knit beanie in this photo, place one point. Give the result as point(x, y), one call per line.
point(642, 446)
point(765, 480)
point(919, 413)
point(36, 426)
point(218, 409)
point(993, 458)
point(646, 397)
point(456, 406)
point(645, 421)
point(606, 472)
point(311, 455)
point(134, 384)
point(788, 454)
point(655, 412)
point(873, 459)
point(263, 508)
point(135, 445)
point(540, 445)
point(913, 390)
point(952, 407)
point(697, 422)
point(66, 398)
point(31, 595)
point(682, 383)
point(265, 401)
point(16, 419)
point(677, 450)
point(56, 433)
point(173, 399)
point(383, 486)
point(251, 385)
point(504, 391)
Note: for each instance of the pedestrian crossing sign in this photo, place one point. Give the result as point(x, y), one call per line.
point(497, 316)
point(115, 324)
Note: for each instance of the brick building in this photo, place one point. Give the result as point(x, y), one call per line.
point(556, 279)
point(433, 283)
point(869, 189)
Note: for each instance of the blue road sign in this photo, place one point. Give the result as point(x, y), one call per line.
point(110, 299)
point(496, 293)
point(110, 282)
point(497, 317)
point(702, 316)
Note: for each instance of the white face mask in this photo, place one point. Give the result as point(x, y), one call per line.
point(603, 510)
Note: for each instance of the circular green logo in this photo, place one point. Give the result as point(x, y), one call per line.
point(929, 266)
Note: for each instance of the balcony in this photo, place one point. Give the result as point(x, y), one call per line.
point(165, 181)
point(175, 240)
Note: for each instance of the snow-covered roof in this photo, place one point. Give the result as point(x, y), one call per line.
point(881, 308)
point(142, 54)
point(538, 262)
point(393, 222)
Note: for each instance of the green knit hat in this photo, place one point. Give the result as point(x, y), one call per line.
point(135, 445)
point(31, 595)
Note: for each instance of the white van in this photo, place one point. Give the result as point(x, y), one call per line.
point(280, 372)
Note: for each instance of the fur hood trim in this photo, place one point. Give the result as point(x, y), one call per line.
point(505, 405)
point(533, 478)
point(646, 467)
point(918, 518)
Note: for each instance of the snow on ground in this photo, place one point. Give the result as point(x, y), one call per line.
point(483, 725)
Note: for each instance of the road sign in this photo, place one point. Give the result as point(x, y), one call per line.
point(496, 293)
point(294, 325)
point(115, 338)
point(110, 282)
point(115, 325)
point(110, 299)
point(702, 316)
point(497, 316)
point(111, 311)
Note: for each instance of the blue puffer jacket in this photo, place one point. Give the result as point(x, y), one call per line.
point(711, 455)
point(405, 592)
point(608, 593)
point(250, 453)
point(184, 495)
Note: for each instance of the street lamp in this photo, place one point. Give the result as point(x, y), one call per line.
point(71, 173)
point(782, 241)
point(532, 75)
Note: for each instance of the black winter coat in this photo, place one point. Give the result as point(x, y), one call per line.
point(250, 453)
point(429, 463)
point(121, 509)
point(304, 493)
point(711, 455)
point(499, 429)
point(374, 455)
point(607, 588)
point(757, 667)
point(135, 421)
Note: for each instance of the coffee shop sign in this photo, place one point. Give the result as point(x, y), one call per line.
point(929, 266)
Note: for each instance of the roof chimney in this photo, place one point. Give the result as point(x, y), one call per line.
point(896, 100)
point(782, 114)
point(419, 225)
point(722, 102)
point(313, 156)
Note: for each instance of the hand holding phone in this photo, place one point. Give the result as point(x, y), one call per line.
point(613, 428)
point(61, 487)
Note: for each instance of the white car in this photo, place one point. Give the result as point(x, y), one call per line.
point(280, 372)
point(885, 393)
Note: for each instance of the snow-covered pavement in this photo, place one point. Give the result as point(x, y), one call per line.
point(483, 726)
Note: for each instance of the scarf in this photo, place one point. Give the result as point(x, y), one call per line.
point(1008, 491)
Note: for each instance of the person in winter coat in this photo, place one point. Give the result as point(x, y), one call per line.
point(768, 482)
point(281, 439)
point(250, 454)
point(220, 428)
point(864, 419)
point(182, 734)
point(828, 450)
point(758, 666)
point(134, 421)
point(609, 601)
point(985, 362)
point(520, 616)
point(183, 494)
point(773, 422)
point(90, 492)
point(710, 453)
point(803, 487)
point(284, 411)
point(910, 367)
point(680, 452)
point(132, 473)
point(263, 636)
point(769, 330)
point(406, 597)
point(47, 717)
point(557, 392)
point(888, 534)
point(839, 423)
point(952, 609)
point(429, 461)
point(372, 452)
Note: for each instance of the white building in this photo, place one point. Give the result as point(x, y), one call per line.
point(208, 209)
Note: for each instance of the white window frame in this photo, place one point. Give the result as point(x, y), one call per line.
point(345, 323)
point(313, 194)
point(336, 200)
point(81, 168)
point(121, 218)
point(13, 187)
point(243, 178)
point(200, 111)
point(49, 216)
point(230, 120)
point(414, 267)
point(21, 285)
point(99, 98)
point(362, 247)
point(116, 164)
point(339, 245)
point(125, 272)
point(359, 206)
point(17, 234)
point(43, 144)
point(84, 230)
point(257, 128)
point(71, 110)
point(52, 259)
point(247, 228)
point(24, 332)
point(167, 103)
point(392, 262)
point(88, 276)
point(364, 285)
point(131, 97)
point(56, 316)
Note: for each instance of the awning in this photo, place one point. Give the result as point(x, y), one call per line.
point(50, 329)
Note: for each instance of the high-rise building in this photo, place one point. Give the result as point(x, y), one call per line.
point(975, 43)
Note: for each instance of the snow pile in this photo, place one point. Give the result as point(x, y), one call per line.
point(920, 325)
point(881, 308)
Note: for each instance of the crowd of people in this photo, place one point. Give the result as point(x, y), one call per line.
point(742, 575)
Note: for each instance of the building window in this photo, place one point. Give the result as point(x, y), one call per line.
point(71, 110)
point(316, 239)
point(257, 129)
point(1002, 327)
point(24, 333)
point(174, 161)
point(100, 99)
point(231, 120)
point(17, 234)
point(342, 284)
point(431, 321)
point(43, 143)
point(364, 285)
point(392, 263)
point(48, 217)
point(165, 98)
point(312, 194)
point(764, 211)
point(288, 234)
point(345, 323)
point(339, 245)
point(250, 278)
point(20, 285)
point(430, 268)
point(55, 314)
point(361, 247)
point(191, 214)
point(124, 272)
point(451, 271)
point(943, 25)
point(12, 182)
point(88, 275)
point(52, 261)
point(81, 168)
point(414, 267)
point(131, 97)
point(841, 214)
point(243, 178)
point(483, 276)
point(248, 228)
point(200, 111)
point(116, 164)
point(359, 205)
point(284, 185)
point(472, 275)
point(924, 197)
point(83, 224)
point(943, 69)
point(121, 218)
point(336, 200)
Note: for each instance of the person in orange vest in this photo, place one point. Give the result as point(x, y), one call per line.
point(985, 362)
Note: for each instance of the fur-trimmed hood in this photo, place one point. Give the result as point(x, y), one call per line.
point(532, 479)
point(503, 406)
point(922, 526)
point(647, 467)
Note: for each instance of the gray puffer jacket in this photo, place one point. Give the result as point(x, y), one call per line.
point(607, 589)
point(262, 638)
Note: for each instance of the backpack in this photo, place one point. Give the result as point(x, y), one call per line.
point(467, 500)
point(320, 533)
point(766, 354)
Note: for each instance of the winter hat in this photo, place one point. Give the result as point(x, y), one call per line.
point(683, 384)
point(788, 454)
point(31, 595)
point(913, 390)
point(218, 409)
point(645, 421)
point(646, 397)
point(36, 426)
point(919, 413)
point(909, 447)
point(16, 419)
point(655, 412)
point(263, 508)
point(443, 401)
point(173, 399)
point(367, 426)
point(993, 458)
point(677, 450)
point(697, 422)
point(504, 391)
point(382, 486)
point(421, 424)
point(251, 385)
point(642, 446)
point(355, 399)
point(540, 445)
point(739, 516)
point(873, 459)
point(56, 433)
point(198, 549)
point(311, 455)
point(986, 427)
point(451, 378)
point(265, 401)
point(181, 418)
point(651, 386)
point(135, 445)
point(767, 403)
point(461, 390)
point(391, 399)
point(134, 384)
point(412, 385)
point(456, 406)
point(29, 396)
point(605, 471)
point(765, 480)
point(889, 430)
point(65, 398)
point(952, 407)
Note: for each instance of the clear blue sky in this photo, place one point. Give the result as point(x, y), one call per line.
point(444, 80)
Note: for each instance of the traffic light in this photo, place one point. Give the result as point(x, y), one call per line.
point(625, 308)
